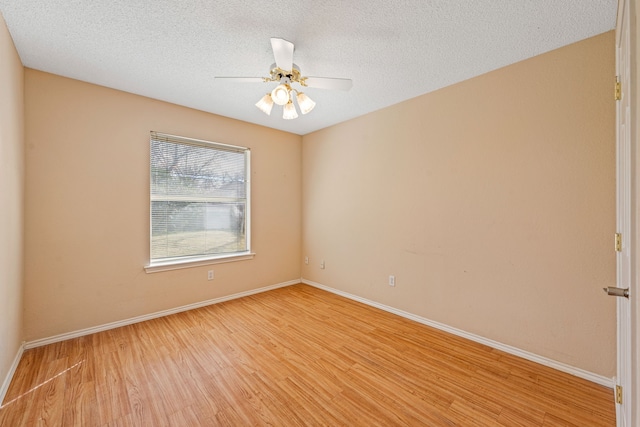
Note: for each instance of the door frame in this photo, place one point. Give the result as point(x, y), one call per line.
point(631, 236)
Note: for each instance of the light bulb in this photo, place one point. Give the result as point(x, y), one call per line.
point(305, 103)
point(280, 94)
point(289, 111)
point(265, 104)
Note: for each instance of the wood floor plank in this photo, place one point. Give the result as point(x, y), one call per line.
point(294, 356)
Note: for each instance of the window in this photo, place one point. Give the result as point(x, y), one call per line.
point(199, 201)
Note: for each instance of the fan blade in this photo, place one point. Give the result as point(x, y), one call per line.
point(241, 79)
point(328, 83)
point(283, 53)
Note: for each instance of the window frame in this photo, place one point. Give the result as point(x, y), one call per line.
point(173, 263)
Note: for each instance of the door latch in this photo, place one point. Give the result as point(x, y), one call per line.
point(617, 292)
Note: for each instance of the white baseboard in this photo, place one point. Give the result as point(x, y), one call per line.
point(580, 373)
point(12, 371)
point(137, 319)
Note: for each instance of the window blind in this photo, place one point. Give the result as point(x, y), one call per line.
point(199, 198)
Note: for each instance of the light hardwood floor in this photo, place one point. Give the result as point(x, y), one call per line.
point(288, 357)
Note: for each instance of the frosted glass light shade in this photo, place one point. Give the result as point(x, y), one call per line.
point(305, 103)
point(265, 104)
point(280, 94)
point(289, 111)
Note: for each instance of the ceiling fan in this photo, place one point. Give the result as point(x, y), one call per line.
point(285, 72)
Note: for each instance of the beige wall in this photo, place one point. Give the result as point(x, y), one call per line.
point(492, 201)
point(11, 200)
point(87, 206)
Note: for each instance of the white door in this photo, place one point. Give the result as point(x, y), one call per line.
point(624, 211)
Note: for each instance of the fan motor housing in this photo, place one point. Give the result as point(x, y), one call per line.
point(284, 76)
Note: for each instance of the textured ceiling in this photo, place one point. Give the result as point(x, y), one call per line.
point(393, 50)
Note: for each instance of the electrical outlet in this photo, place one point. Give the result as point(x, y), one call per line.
point(306, 260)
point(392, 280)
point(322, 265)
point(210, 275)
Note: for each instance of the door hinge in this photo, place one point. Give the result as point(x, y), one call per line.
point(618, 244)
point(619, 394)
point(618, 91)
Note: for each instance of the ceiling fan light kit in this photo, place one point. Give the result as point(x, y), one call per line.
point(280, 94)
point(305, 103)
point(285, 72)
point(265, 104)
point(289, 111)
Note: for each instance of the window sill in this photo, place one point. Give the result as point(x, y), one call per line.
point(196, 262)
